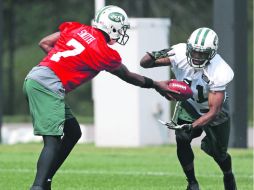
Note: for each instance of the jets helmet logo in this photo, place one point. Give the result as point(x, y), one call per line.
point(116, 17)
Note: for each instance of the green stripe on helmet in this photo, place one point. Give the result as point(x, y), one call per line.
point(199, 32)
point(101, 11)
point(204, 37)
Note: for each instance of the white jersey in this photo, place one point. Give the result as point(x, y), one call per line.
point(214, 77)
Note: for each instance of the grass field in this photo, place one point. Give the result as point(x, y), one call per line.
point(148, 168)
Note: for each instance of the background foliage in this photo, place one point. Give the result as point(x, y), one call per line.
point(26, 22)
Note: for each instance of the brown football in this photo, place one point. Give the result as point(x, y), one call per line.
point(180, 90)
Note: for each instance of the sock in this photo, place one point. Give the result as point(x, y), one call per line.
point(72, 133)
point(47, 157)
point(186, 158)
point(190, 172)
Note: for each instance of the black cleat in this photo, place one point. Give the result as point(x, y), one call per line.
point(193, 185)
point(229, 182)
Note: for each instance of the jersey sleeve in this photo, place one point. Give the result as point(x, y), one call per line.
point(177, 54)
point(220, 74)
point(178, 60)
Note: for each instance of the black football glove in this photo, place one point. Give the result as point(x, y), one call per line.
point(174, 126)
point(159, 54)
point(186, 127)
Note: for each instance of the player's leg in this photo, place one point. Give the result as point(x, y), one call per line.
point(46, 159)
point(216, 144)
point(47, 110)
point(228, 178)
point(184, 113)
point(72, 133)
point(185, 154)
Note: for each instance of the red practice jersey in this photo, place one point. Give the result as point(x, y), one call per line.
point(80, 54)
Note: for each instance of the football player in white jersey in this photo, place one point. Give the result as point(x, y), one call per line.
point(198, 64)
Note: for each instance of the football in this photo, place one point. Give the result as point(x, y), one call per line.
point(180, 90)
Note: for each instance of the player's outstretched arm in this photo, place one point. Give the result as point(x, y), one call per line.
point(135, 79)
point(155, 59)
point(48, 42)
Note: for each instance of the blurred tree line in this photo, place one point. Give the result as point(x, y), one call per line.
point(27, 21)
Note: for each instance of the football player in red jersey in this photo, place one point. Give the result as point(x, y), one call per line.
point(75, 55)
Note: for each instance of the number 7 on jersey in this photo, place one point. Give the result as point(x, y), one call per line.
point(78, 48)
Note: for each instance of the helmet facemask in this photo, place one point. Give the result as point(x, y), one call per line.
point(124, 37)
point(199, 58)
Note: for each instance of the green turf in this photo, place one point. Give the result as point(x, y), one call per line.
point(148, 168)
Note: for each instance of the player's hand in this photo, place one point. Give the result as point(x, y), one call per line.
point(162, 88)
point(155, 59)
point(159, 54)
point(166, 95)
point(174, 126)
point(186, 127)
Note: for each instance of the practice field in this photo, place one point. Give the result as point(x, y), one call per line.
point(148, 168)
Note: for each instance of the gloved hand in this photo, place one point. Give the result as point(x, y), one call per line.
point(159, 54)
point(174, 126)
point(186, 127)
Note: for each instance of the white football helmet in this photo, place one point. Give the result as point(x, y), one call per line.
point(113, 21)
point(202, 46)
